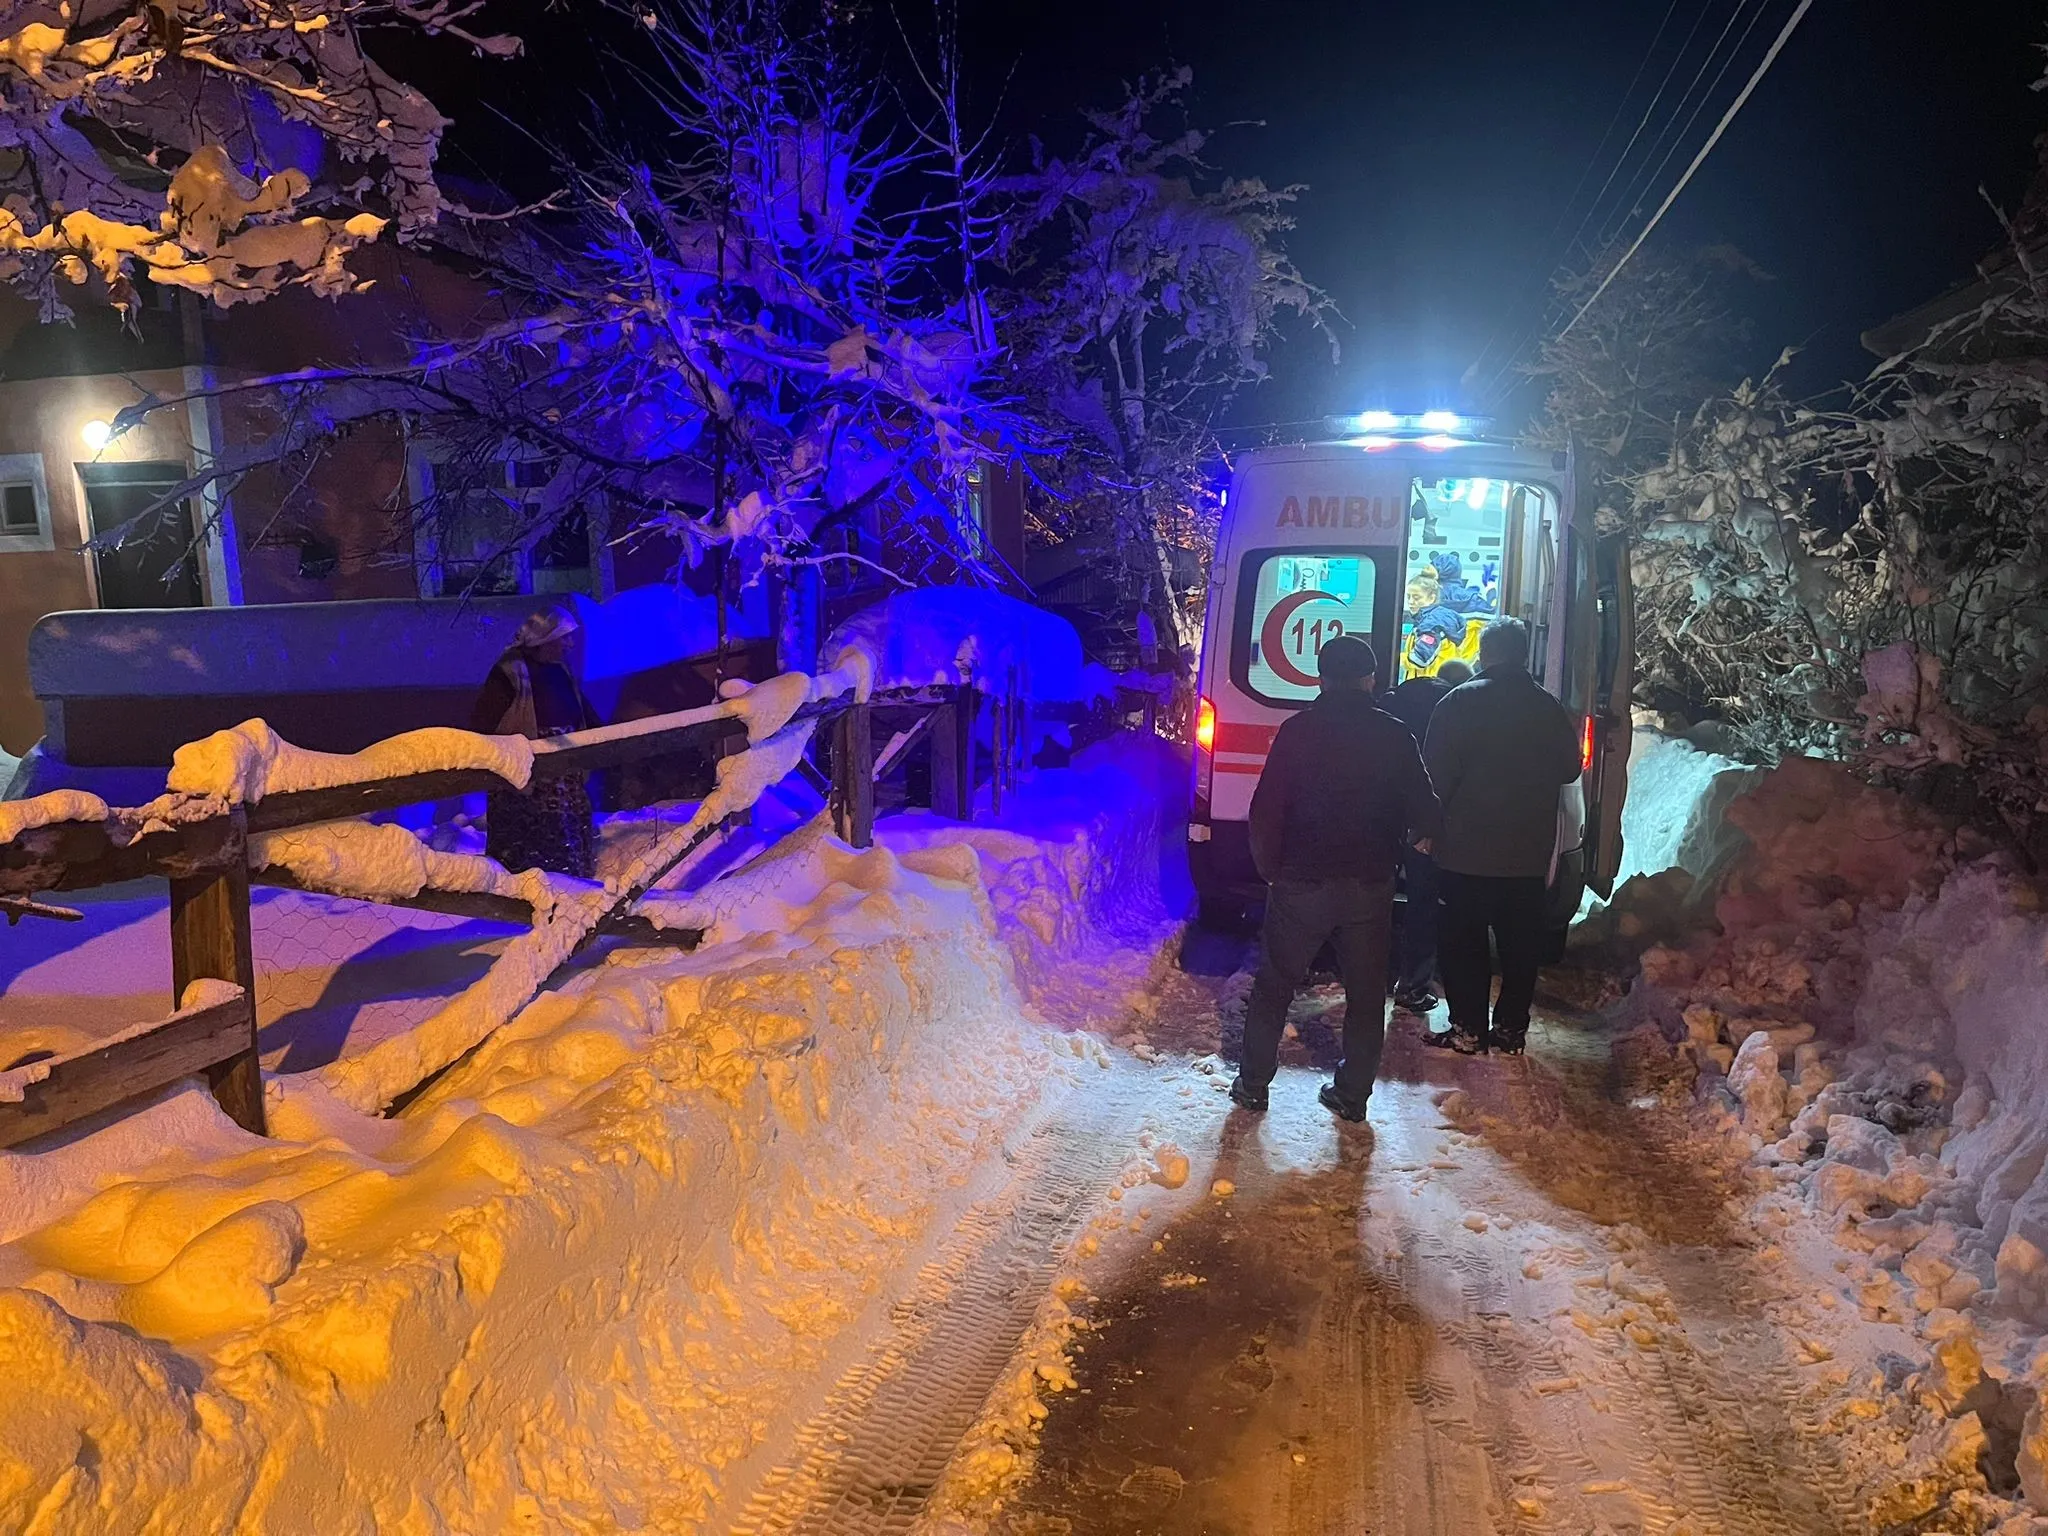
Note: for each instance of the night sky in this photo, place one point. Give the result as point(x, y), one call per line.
point(1438, 145)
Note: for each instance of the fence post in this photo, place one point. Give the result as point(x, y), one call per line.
point(853, 777)
point(210, 940)
point(953, 756)
point(998, 751)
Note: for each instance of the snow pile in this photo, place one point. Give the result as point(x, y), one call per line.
point(576, 1283)
point(53, 809)
point(1677, 844)
point(933, 636)
point(1087, 876)
point(1675, 816)
point(1870, 1019)
point(246, 763)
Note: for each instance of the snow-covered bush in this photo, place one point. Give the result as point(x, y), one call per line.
point(1869, 583)
point(1865, 582)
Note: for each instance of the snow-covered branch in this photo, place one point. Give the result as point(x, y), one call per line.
point(231, 148)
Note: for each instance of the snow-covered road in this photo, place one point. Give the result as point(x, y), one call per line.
point(1529, 1317)
point(1530, 1299)
point(913, 1202)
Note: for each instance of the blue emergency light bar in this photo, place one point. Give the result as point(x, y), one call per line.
point(1418, 424)
point(1377, 431)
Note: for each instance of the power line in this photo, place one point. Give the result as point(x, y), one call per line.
point(1643, 177)
point(1762, 69)
point(1657, 173)
point(1673, 135)
point(1565, 210)
point(1670, 73)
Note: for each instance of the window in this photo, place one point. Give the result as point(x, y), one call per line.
point(24, 503)
point(1293, 602)
point(477, 530)
point(18, 510)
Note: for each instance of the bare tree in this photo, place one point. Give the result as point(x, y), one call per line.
point(720, 333)
point(1662, 338)
point(1149, 290)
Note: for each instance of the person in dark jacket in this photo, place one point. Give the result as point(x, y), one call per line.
point(1413, 703)
point(532, 692)
point(1453, 591)
point(1342, 791)
point(1499, 751)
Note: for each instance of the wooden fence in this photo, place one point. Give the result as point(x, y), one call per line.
point(206, 861)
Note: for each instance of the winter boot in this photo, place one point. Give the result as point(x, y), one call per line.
point(1340, 1106)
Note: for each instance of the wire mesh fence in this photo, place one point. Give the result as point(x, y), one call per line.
point(332, 972)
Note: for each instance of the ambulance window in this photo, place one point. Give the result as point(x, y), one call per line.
point(1291, 603)
point(1464, 535)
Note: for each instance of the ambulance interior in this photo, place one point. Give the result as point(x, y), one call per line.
point(1477, 547)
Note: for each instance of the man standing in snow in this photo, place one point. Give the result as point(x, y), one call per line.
point(1413, 703)
point(1499, 750)
point(1342, 789)
point(532, 691)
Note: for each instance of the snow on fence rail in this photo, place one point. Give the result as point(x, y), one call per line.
point(244, 804)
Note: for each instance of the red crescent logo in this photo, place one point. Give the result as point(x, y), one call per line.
point(1273, 636)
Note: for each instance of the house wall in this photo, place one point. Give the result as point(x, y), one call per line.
point(352, 496)
point(45, 418)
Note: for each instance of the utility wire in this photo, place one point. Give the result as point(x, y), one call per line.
point(1551, 307)
point(1672, 135)
point(1669, 74)
point(1565, 210)
point(1656, 174)
point(1762, 69)
point(1652, 168)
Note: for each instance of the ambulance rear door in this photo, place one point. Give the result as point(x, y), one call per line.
point(1313, 550)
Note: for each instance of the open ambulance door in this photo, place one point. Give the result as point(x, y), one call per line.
point(1610, 721)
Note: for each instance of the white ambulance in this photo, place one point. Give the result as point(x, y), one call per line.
point(1414, 531)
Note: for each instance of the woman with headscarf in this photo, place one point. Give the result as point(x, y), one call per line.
point(532, 692)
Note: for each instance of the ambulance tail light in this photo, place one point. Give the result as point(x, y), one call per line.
point(1205, 725)
point(1586, 743)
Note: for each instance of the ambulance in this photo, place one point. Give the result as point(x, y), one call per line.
point(1414, 531)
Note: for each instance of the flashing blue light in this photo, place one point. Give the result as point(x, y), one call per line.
point(1439, 421)
point(1375, 421)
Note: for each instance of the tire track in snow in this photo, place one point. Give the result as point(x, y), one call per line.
point(868, 1462)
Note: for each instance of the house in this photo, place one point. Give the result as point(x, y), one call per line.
point(1998, 276)
point(336, 528)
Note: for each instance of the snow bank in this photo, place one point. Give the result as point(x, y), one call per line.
point(1676, 813)
point(949, 635)
point(576, 1285)
point(1677, 844)
point(1875, 1002)
point(1087, 872)
point(243, 765)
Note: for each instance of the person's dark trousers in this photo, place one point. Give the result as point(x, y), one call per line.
point(1357, 918)
point(1415, 940)
point(1510, 907)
